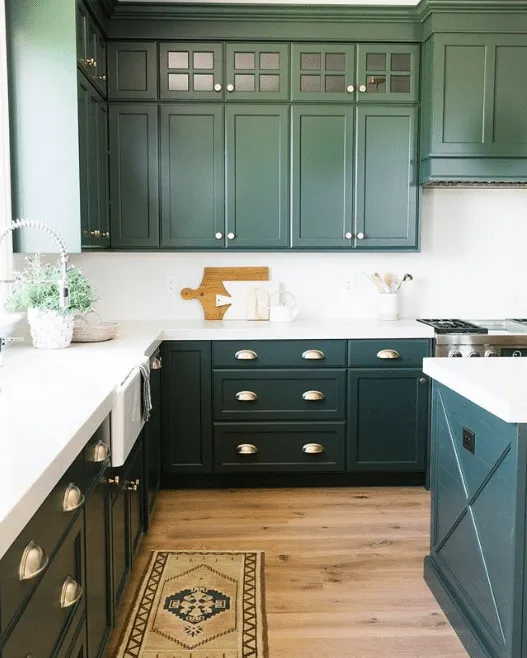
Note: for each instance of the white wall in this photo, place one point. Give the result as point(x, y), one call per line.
point(473, 264)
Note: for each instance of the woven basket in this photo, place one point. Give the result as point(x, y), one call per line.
point(93, 331)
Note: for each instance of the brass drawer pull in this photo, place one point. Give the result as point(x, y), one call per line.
point(313, 355)
point(313, 449)
point(73, 498)
point(71, 593)
point(246, 449)
point(101, 451)
point(157, 364)
point(246, 396)
point(34, 561)
point(313, 395)
point(246, 355)
point(388, 354)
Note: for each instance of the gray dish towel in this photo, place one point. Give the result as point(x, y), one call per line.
point(147, 398)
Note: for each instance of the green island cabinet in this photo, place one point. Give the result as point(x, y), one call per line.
point(298, 406)
point(474, 124)
point(476, 565)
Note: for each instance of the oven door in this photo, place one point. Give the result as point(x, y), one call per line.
point(127, 417)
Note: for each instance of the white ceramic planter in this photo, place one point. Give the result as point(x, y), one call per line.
point(50, 330)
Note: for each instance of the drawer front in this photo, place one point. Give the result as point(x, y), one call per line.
point(46, 529)
point(57, 604)
point(388, 353)
point(279, 395)
point(279, 447)
point(96, 454)
point(279, 354)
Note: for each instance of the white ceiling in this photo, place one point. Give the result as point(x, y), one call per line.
point(410, 3)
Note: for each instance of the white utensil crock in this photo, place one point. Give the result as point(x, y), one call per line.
point(388, 306)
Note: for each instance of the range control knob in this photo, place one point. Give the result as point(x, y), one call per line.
point(491, 353)
point(473, 354)
point(455, 354)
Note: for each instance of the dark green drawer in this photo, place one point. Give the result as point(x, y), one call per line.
point(46, 621)
point(279, 395)
point(96, 454)
point(279, 447)
point(279, 354)
point(388, 353)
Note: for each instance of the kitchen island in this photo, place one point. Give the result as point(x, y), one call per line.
point(476, 566)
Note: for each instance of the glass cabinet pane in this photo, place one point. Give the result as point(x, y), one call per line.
point(376, 62)
point(269, 83)
point(401, 62)
point(203, 60)
point(178, 81)
point(203, 82)
point(400, 84)
point(376, 84)
point(311, 62)
point(244, 82)
point(244, 61)
point(310, 83)
point(335, 83)
point(178, 60)
point(335, 62)
point(269, 61)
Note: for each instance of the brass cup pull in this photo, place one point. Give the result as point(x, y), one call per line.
point(157, 364)
point(34, 561)
point(101, 452)
point(388, 354)
point(313, 355)
point(246, 396)
point(246, 355)
point(73, 498)
point(313, 449)
point(71, 593)
point(246, 449)
point(312, 395)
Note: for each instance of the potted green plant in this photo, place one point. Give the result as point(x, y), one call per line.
point(36, 289)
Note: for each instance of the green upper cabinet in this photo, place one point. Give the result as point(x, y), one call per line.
point(132, 70)
point(91, 48)
point(323, 72)
point(192, 205)
point(134, 186)
point(257, 169)
point(474, 107)
point(387, 74)
point(322, 176)
point(386, 187)
point(191, 71)
point(257, 71)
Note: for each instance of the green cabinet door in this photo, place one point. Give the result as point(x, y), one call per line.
point(98, 575)
point(322, 176)
point(257, 167)
point(323, 72)
point(120, 543)
point(387, 419)
point(134, 484)
point(386, 178)
point(134, 216)
point(82, 34)
point(152, 445)
point(103, 198)
point(191, 71)
point(186, 408)
point(101, 73)
point(192, 201)
point(132, 70)
point(257, 71)
point(387, 73)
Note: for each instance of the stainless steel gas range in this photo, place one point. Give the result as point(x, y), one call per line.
point(460, 338)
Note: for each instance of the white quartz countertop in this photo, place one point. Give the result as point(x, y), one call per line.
point(497, 385)
point(52, 401)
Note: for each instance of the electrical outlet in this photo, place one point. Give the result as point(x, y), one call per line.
point(350, 285)
point(171, 284)
point(469, 440)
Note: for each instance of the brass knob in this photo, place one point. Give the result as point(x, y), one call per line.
point(246, 355)
point(71, 593)
point(73, 498)
point(348, 235)
point(157, 364)
point(230, 87)
point(312, 395)
point(246, 396)
point(95, 234)
point(115, 481)
point(230, 236)
point(33, 562)
point(423, 380)
point(313, 355)
point(246, 449)
point(360, 236)
point(106, 235)
point(218, 236)
point(101, 451)
point(350, 89)
point(132, 485)
point(362, 88)
point(388, 354)
point(101, 77)
point(313, 449)
point(217, 87)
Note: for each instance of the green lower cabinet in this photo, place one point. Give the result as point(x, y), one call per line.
point(134, 484)
point(186, 407)
point(119, 541)
point(387, 193)
point(322, 176)
point(152, 445)
point(388, 414)
point(192, 180)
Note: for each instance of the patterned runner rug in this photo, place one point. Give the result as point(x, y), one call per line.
point(198, 604)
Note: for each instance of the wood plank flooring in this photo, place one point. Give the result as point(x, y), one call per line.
point(343, 565)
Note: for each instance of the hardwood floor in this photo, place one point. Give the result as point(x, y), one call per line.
point(343, 565)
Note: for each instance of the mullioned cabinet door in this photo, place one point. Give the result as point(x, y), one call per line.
point(387, 73)
point(191, 71)
point(323, 72)
point(257, 71)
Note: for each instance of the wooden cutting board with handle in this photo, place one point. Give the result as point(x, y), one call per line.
point(212, 285)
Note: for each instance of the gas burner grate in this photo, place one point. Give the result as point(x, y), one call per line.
point(454, 326)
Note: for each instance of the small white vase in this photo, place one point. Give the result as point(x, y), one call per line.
point(50, 330)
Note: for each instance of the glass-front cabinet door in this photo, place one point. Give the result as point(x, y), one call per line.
point(257, 71)
point(387, 73)
point(191, 71)
point(323, 72)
